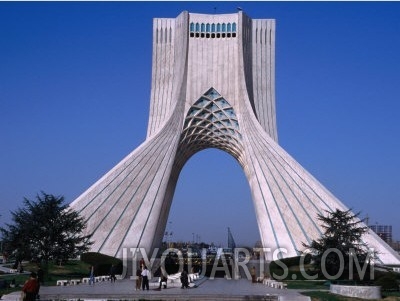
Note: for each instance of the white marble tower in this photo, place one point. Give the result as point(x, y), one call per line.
point(213, 86)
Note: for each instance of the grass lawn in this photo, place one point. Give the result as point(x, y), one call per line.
point(307, 284)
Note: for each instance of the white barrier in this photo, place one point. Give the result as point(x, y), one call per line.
point(62, 282)
point(363, 292)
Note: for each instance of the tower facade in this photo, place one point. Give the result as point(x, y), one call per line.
point(213, 86)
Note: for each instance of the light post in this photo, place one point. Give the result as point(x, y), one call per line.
point(169, 235)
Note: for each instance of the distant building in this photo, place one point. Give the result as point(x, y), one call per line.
point(396, 246)
point(383, 231)
point(231, 241)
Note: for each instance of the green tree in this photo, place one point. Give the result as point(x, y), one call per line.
point(45, 230)
point(340, 253)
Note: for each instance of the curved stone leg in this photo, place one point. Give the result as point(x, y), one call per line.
point(123, 208)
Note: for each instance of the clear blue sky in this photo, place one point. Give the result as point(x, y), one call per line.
point(74, 100)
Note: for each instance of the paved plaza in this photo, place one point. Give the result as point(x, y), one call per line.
point(207, 289)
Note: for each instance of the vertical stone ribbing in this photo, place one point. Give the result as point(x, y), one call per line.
point(263, 62)
point(163, 73)
point(271, 83)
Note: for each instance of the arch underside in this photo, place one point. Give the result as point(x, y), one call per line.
point(129, 206)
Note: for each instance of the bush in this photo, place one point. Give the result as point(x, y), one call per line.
point(277, 267)
point(388, 282)
point(102, 263)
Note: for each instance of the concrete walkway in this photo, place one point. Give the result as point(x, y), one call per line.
point(208, 289)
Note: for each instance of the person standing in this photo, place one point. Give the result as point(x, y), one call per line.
point(184, 279)
point(91, 275)
point(253, 274)
point(163, 281)
point(145, 278)
point(112, 273)
point(20, 267)
point(40, 275)
point(138, 279)
point(31, 288)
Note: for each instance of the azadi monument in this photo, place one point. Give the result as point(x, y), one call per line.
point(213, 86)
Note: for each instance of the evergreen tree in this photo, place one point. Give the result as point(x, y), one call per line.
point(340, 253)
point(45, 230)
